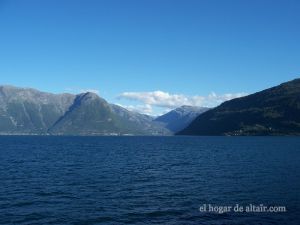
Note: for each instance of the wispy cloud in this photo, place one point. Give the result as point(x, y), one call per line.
point(82, 90)
point(90, 90)
point(170, 101)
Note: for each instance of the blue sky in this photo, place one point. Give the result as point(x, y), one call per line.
point(153, 54)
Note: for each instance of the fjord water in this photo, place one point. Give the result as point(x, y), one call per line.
point(147, 180)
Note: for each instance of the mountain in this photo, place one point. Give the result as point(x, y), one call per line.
point(145, 122)
point(91, 115)
point(274, 111)
point(28, 111)
point(180, 118)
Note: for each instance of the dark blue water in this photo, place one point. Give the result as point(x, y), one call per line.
point(147, 180)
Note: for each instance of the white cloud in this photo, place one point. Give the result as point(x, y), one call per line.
point(171, 101)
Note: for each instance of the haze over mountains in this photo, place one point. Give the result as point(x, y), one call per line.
point(274, 111)
point(29, 111)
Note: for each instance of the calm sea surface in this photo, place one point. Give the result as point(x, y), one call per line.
point(148, 180)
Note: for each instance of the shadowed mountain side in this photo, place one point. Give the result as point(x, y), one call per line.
point(92, 115)
point(274, 111)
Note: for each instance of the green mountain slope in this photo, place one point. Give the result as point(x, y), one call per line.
point(274, 111)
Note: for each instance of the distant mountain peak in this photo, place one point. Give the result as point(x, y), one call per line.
point(179, 118)
point(190, 108)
